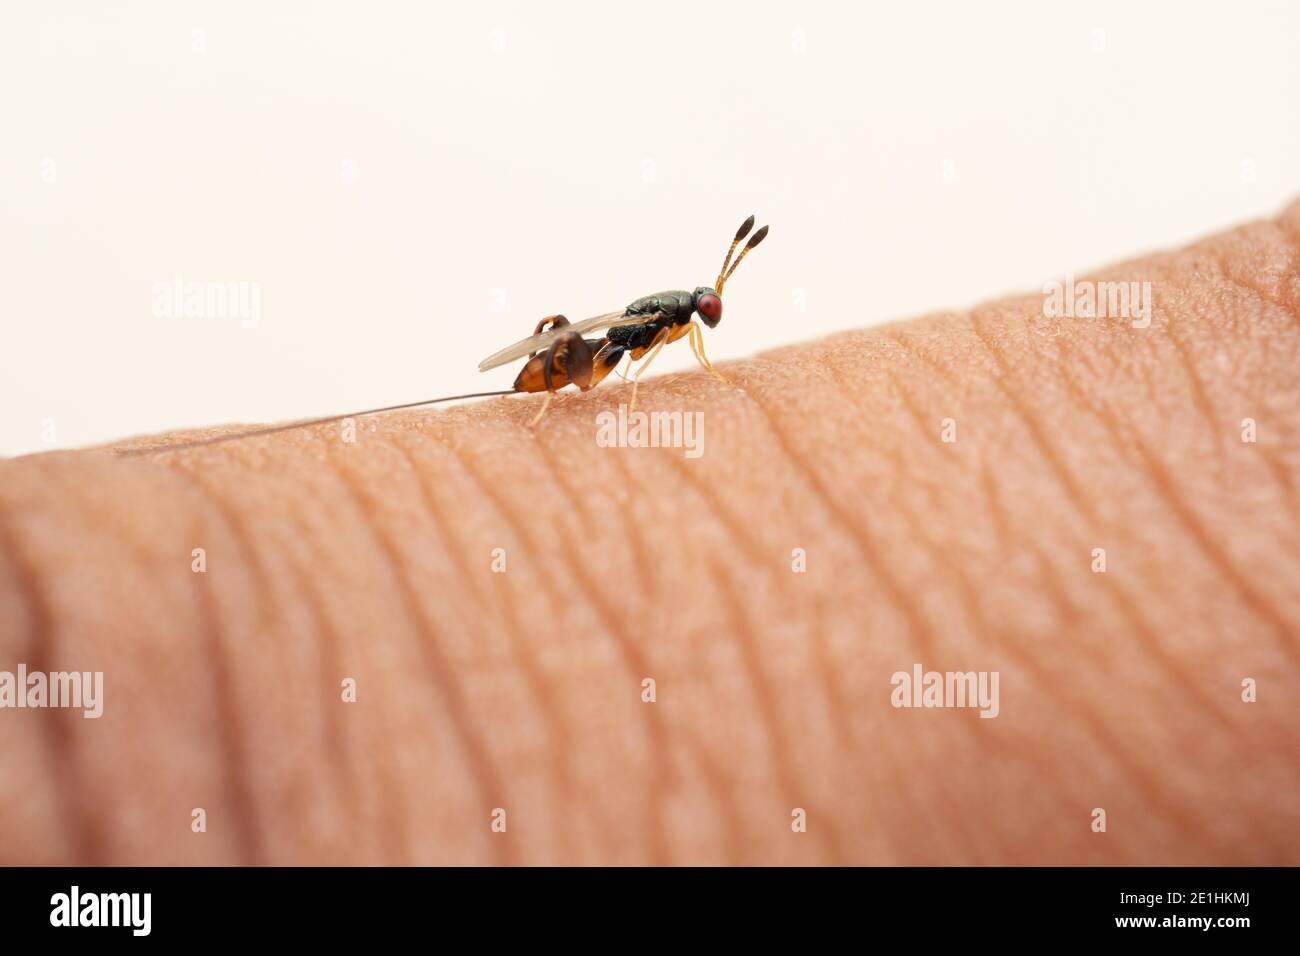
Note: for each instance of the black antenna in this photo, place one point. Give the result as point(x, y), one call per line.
point(741, 233)
point(754, 240)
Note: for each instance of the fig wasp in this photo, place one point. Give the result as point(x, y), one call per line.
point(558, 355)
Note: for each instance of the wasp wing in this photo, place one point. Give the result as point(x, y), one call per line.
point(541, 340)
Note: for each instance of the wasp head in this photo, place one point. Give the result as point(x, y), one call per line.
point(708, 303)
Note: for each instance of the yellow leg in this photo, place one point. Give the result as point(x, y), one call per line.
point(636, 376)
point(541, 411)
point(697, 346)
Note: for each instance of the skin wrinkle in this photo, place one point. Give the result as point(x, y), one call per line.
point(909, 347)
point(1257, 289)
point(1077, 706)
point(723, 793)
point(1127, 604)
point(338, 756)
point(971, 601)
point(769, 713)
point(970, 604)
point(711, 774)
point(671, 470)
point(935, 491)
point(646, 569)
point(89, 834)
point(1050, 581)
point(1076, 497)
point(237, 795)
point(1068, 482)
point(534, 550)
point(634, 664)
point(1291, 304)
point(488, 781)
point(732, 526)
point(1286, 481)
point(23, 799)
point(837, 703)
point(960, 833)
point(867, 547)
point(83, 837)
point(1006, 541)
point(719, 783)
point(716, 508)
point(545, 693)
point(245, 843)
point(1152, 792)
point(1254, 601)
point(397, 829)
point(124, 532)
point(1166, 487)
point(1123, 434)
point(1199, 396)
point(906, 788)
point(927, 434)
point(1122, 438)
point(241, 791)
point(1097, 719)
point(249, 846)
point(1289, 307)
point(843, 520)
point(274, 620)
point(909, 403)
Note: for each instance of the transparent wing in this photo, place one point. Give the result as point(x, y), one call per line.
point(533, 343)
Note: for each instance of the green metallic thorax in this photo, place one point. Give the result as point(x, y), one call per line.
point(677, 305)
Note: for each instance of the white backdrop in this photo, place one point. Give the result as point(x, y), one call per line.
point(407, 187)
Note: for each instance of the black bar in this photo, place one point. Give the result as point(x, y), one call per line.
point(332, 906)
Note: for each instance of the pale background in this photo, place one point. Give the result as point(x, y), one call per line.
point(393, 174)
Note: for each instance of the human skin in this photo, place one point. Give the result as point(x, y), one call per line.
point(522, 689)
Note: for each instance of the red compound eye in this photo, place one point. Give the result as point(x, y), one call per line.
point(710, 307)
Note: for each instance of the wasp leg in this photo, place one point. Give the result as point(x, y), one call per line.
point(568, 360)
point(608, 355)
point(697, 346)
point(546, 403)
point(660, 339)
point(555, 321)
